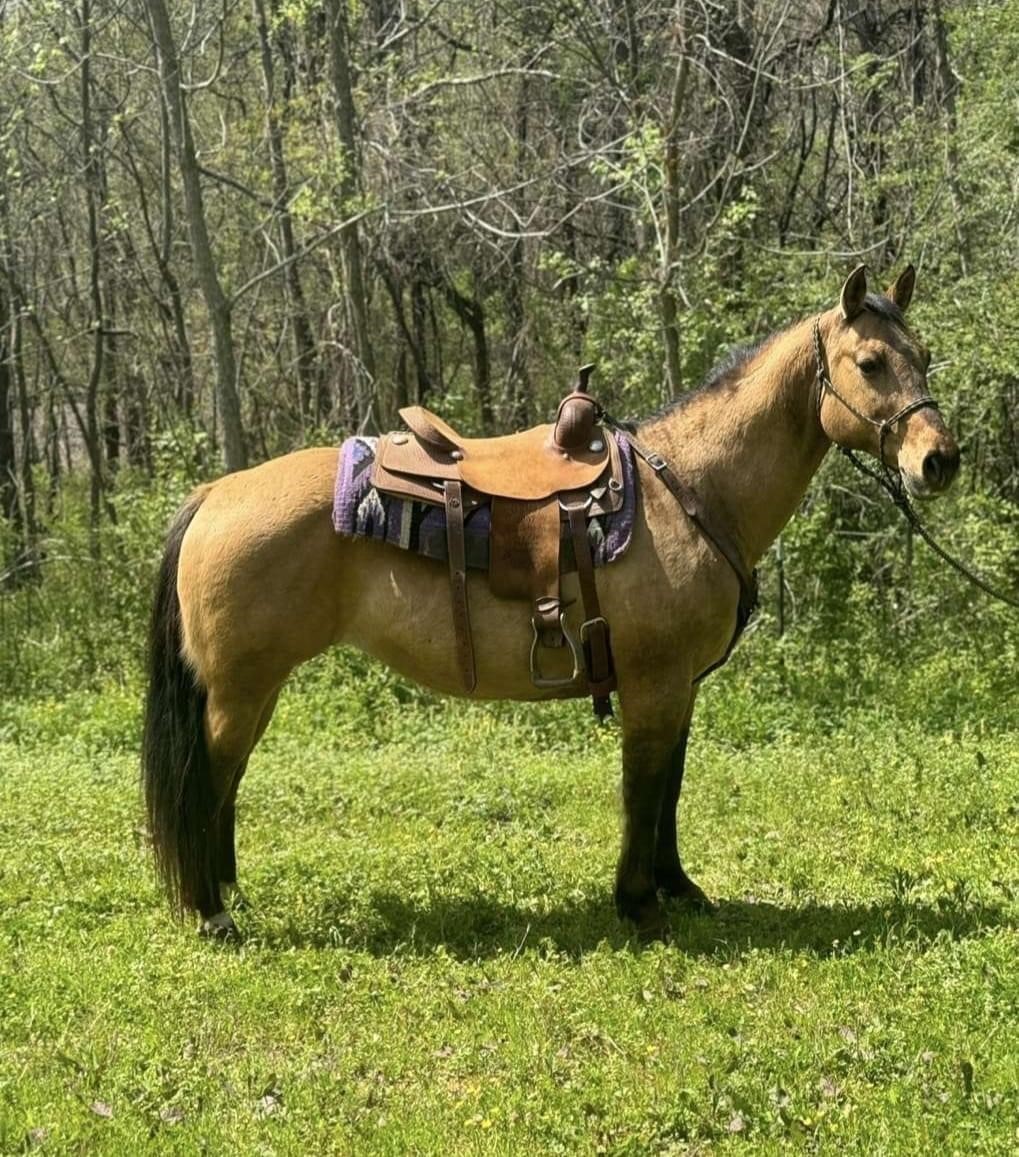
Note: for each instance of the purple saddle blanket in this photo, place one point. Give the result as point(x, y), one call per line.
point(361, 511)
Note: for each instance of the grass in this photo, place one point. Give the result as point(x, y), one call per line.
point(432, 963)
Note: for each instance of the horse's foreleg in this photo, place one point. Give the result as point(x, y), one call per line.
point(650, 735)
point(670, 876)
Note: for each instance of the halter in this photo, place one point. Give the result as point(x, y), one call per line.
point(892, 479)
point(824, 382)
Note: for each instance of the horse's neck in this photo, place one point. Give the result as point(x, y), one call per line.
point(751, 448)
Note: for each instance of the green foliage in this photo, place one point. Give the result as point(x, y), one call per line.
point(433, 962)
point(84, 624)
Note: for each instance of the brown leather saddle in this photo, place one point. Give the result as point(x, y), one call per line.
point(565, 471)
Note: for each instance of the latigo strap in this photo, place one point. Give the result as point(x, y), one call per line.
point(458, 583)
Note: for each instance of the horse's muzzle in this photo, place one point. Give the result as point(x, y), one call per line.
point(937, 468)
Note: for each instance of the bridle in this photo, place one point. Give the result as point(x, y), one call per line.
point(883, 426)
point(891, 480)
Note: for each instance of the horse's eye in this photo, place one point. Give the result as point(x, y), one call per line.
point(869, 365)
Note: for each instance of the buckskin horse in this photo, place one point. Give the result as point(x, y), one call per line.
point(254, 581)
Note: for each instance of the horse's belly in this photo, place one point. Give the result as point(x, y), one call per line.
point(403, 616)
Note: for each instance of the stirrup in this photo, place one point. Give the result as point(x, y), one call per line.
point(544, 681)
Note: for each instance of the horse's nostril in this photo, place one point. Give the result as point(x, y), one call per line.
point(932, 467)
point(939, 468)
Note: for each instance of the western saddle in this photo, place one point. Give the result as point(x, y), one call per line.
point(565, 471)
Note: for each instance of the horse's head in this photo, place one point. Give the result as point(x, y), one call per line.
point(876, 397)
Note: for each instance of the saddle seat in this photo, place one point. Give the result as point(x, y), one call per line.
point(568, 470)
point(570, 454)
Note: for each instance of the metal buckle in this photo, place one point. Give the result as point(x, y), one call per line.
point(585, 627)
point(656, 461)
point(544, 681)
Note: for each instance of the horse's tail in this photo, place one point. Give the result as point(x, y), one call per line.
point(179, 796)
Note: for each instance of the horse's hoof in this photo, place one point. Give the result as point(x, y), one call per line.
point(682, 891)
point(219, 927)
point(647, 915)
point(654, 929)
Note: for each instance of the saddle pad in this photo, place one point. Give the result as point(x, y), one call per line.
point(360, 511)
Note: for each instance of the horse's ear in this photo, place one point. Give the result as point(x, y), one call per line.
point(902, 291)
point(854, 292)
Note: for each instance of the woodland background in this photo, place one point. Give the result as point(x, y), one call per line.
point(230, 229)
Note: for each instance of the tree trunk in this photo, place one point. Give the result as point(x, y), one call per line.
point(97, 318)
point(948, 86)
point(419, 321)
point(413, 338)
point(668, 308)
point(216, 301)
point(351, 256)
point(9, 508)
point(472, 313)
point(519, 378)
point(185, 389)
point(304, 342)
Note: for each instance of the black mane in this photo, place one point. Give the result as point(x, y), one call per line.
point(885, 308)
point(723, 375)
point(726, 372)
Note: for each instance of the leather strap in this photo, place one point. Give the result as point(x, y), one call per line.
point(594, 633)
point(695, 511)
point(457, 550)
point(719, 538)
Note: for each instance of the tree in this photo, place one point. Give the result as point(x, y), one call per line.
point(217, 303)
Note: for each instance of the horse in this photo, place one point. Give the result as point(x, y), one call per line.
point(254, 581)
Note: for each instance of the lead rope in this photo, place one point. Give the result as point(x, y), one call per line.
point(891, 481)
point(901, 500)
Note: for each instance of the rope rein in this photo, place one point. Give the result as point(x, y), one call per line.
point(891, 480)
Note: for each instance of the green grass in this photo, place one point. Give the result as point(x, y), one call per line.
point(432, 962)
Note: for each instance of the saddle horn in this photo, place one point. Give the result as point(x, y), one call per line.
point(577, 415)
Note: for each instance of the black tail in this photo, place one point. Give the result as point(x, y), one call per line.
point(179, 795)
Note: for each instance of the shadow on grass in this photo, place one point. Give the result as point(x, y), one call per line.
point(479, 927)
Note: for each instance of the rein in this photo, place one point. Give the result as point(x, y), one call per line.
point(891, 480)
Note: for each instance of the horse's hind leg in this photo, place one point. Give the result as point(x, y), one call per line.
point(234, 723)
point(227, 849)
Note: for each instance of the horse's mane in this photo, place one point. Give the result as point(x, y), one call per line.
point(722, 376)
point(726, 373)
point(886, 308)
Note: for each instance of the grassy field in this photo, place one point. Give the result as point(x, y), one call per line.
point(432, 963)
